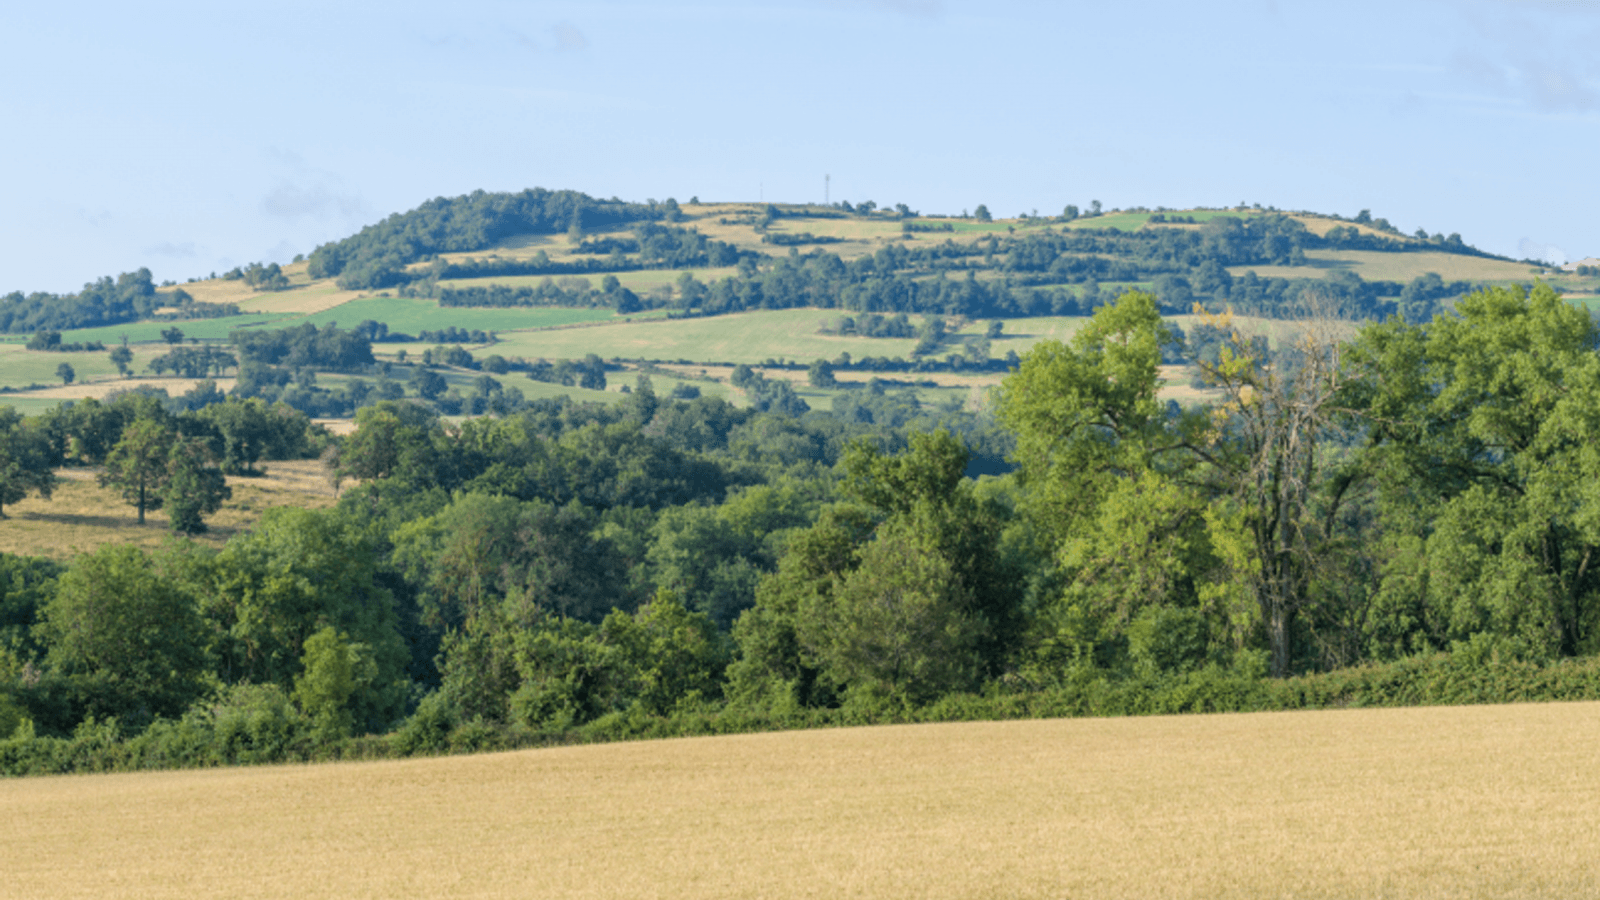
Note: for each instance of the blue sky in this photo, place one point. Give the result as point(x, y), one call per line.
point(192, 137)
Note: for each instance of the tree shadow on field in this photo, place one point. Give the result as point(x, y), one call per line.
point(128, 521)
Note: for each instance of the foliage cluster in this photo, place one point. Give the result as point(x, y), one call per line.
point(1403, 517)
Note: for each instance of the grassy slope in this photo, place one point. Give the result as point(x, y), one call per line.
point(82, 515)
point(1375, 266)
point(1441, 802)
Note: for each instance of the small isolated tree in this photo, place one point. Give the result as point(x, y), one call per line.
point(66, 373)
point(430, 384)
point(173, 335)
point(122, 358)
point(982, 214)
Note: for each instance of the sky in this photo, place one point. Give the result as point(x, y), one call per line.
point(191, 137)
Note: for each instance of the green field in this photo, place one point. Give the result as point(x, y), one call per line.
point(411, 315)
point(1440, 802)
point(750, 337)
point(640, 282)
point(20, 367)
point(204, 329)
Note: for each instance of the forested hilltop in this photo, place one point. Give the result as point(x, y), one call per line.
point(1388, 512)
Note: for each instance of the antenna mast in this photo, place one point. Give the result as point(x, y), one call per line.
point(825, 180)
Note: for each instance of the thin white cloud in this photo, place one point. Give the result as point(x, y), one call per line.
point(568, 37)
point(185, 250)
point(1550, 253)
point(316, 200)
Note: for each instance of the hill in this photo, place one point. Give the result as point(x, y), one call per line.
point(656, 282)
point(1437, 802)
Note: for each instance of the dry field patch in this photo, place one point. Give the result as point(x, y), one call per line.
point(81, 516)
point(80, 390)
point(1374, 265)
point(1419, 803)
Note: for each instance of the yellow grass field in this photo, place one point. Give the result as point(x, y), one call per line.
point(1375, 266)
point(1493, 801)
point(80, 390)
point(81, 516)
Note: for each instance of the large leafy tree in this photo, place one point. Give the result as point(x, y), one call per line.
point(27, 462)
point(1486, 427)
point(194, 488)
point(137, 467)
point(1151, 506)
point(896, 594)
point(298, 572)
point(130, 640)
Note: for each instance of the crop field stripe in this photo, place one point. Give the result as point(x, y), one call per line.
point(1418, 803)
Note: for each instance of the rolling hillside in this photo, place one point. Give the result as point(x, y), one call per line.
point(547, 282)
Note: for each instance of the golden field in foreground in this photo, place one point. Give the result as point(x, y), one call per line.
point(1433, 802)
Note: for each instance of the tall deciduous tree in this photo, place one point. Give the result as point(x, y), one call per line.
point(1154, 506)
point(132, 640)
point(194, 488)
point(137, 466)
point(26, 461)
point(1487, 434)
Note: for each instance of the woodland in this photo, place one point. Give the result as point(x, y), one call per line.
point(1390, 502)
point(1403, 516)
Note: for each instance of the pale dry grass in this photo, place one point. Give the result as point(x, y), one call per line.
point(1373, 265)
point(81, 516)
point(1418, 803)
point(80, 390)
point(320, 296)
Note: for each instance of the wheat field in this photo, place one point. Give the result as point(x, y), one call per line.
point(1416, 803)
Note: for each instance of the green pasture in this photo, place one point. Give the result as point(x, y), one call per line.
point(20, 367)
point(412, 315)
point(664, 385)
point(640, 282)
point(204, 329)
point(749, 337)
point(28, 406)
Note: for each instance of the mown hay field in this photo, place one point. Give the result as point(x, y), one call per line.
point(1373, 265)
point(1493, 801)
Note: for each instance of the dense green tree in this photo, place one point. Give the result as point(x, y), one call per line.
point(333, 672)
point(814, 633)
point(246, 427)
point(298, 572)
point(1179, 508)
point(66, 373)
point(138, 467)
point(122, 357)
point(27, 462)
point(1485, 426)
point(393, 439)
point(131, 640)
point(194, 488)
